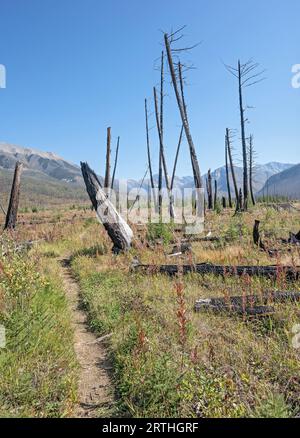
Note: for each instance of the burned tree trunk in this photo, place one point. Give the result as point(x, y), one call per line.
point(252, 305)
point(183, 114)
point(290, 272)
point(118, 230)
point(243, 135)
point(162, 153)
point(238, 206)
point(247, 76)
point(224, 205)
point(12, 212)
point(227, 171)
point(115, 165)
point(176, 158)
point(107, 167)
point(251, 159)
point(209, 190)
point(240, 202)
point(149, 153)
point(246, 303)
point(216, 195)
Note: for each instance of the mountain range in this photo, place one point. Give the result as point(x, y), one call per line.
point(49, 179)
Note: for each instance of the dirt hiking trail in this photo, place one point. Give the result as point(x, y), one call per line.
point(95, 389)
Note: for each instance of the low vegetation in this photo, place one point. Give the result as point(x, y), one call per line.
point(37, 367)
point(167, 359)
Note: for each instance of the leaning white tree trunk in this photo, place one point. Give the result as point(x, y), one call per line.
point(116, 227)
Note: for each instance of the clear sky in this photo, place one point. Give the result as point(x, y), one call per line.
point(75, 67)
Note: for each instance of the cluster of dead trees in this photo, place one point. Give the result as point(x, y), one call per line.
point(247, 75)
point(170, 63)
point(176, 70)
point(118, 230)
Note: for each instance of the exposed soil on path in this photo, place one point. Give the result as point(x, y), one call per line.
point(95, 389)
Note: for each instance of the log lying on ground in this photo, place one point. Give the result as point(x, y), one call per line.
point(239, 310)
point(117, 228)
point(247, 303)
point(182, 248)
point(290, 273)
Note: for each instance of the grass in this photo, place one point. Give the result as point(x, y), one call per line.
point(169, 361)
point(37, 367)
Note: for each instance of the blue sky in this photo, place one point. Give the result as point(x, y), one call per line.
point(75, 67)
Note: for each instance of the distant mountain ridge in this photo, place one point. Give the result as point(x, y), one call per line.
point(48, 168)
point(38, 161)
point(286, 183)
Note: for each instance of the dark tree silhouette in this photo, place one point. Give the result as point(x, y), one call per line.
point(227, 172)
point(209, 190)
point(178, 89)
point(247, 75)
point(251, 168)
point(107, 167)
point(116, 162)
point(149, 152)
point(12, 212)
point(229, 149)
point(216, 195)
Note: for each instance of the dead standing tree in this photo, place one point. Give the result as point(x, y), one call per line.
point(216, 195)
point(107, 167)
point(176, 158)
point(209, 190)
point(168, 40)
point(227, 172)
point(115, 165)
point(12, 212)
point(162, 152)
point(251, 168)
point(149, 153)
point(229, 149)
point(117, 228)
point(247, 76)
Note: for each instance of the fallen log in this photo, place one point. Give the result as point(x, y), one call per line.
point(240, 310)
point(246, 302)
point(182, 248)
point(291, 273)
point(117, 228)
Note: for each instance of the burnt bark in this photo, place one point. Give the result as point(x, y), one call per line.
point(149, 153)
point(12, 212)
point(272, 272)
point(183, 114)
point(209, 190)
point(118, 230)
point(216, 195)
point(115, 165)
point(243, 137)
point(227, 171)
point(162, 153)
point(247, 302)
point(251, 154)
point(176, 158)
point(108, 154)
point(232, 170)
